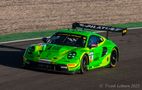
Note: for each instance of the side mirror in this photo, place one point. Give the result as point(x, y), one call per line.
point(93, 45)
point(45, 39)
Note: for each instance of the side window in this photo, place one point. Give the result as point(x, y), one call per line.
point(94, 40)
point(100, 39)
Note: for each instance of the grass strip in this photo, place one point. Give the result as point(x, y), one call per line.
point(45, 33)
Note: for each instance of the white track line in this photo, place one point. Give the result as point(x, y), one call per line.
point(135, 28)
point(16, 41)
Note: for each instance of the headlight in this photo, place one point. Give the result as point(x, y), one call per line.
point(31, 49)
point(71, 55)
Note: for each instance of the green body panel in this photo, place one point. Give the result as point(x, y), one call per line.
point(58, 54)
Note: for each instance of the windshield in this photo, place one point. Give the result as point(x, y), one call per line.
point(68, 39)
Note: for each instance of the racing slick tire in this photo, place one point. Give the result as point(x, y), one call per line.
point(114, 58)
point(83, 64)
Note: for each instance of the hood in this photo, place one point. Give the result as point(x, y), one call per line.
point(55, 52)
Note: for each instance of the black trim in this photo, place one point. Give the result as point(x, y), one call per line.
point(104, 51)
point(99, 27)
point(49, 67)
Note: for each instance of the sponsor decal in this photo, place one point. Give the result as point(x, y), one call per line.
point(100, 27)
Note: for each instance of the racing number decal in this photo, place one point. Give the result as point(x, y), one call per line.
point(91, 56)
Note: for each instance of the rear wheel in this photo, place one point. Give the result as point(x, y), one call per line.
point(114, 58)
point(83, 65)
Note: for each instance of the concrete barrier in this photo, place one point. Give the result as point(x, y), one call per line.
point(36, 15)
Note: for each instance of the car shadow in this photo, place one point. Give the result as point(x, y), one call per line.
point(13, 58)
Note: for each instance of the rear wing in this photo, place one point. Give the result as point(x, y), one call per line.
point(100, 27)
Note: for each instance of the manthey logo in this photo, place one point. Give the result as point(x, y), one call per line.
point(99, 27)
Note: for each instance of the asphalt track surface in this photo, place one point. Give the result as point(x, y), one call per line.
point(126, 76)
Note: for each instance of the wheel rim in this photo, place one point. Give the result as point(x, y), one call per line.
point(114, 58)
point(84, 65)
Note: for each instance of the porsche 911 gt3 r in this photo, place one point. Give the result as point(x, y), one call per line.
point(75, 50)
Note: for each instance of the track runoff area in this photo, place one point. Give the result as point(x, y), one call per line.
point(31, 39)
point(127, 75)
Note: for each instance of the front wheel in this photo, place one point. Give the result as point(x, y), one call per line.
point(114, 58)
point(83, 65)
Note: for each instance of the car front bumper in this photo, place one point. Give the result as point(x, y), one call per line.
point(50, 67)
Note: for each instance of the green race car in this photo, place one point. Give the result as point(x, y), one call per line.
point(74, 50)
